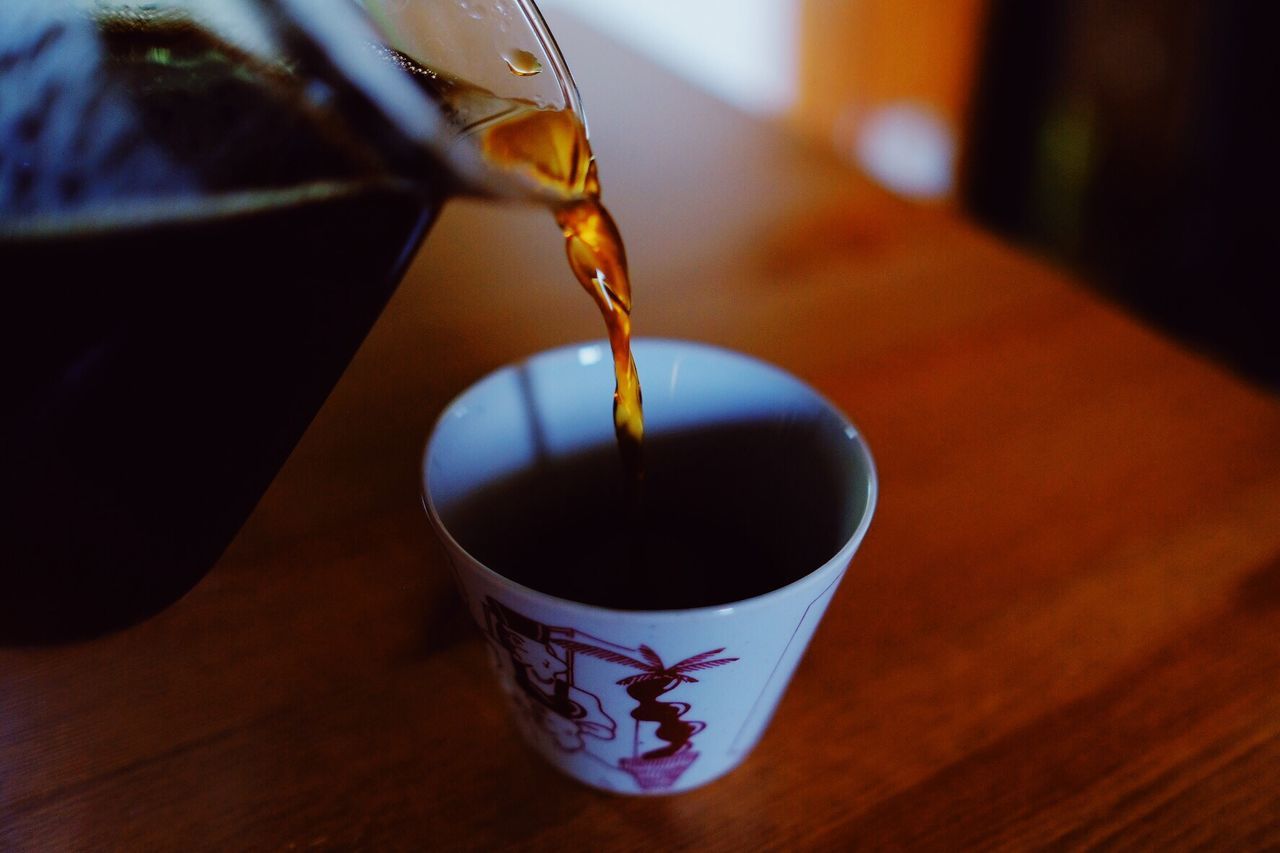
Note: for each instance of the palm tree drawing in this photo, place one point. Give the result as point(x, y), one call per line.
point(660, 767)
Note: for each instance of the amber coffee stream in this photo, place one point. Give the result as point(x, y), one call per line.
point(595, 249)
point(550, 148)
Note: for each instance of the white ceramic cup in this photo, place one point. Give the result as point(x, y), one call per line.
point(647, 701)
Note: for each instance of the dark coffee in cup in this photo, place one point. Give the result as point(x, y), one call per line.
point(711, 530)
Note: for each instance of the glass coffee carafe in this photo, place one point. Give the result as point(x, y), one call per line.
point(204, 206)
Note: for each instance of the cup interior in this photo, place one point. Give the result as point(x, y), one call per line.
point(753, 480)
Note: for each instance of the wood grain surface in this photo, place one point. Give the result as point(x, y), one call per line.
point(1063, 628)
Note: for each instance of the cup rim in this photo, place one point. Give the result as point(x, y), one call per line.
point(841, 557)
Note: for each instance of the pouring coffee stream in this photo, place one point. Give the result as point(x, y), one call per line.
point(201, 216)
point(551, 150)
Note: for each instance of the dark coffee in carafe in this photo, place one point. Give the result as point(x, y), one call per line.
point(194, 241)
point(189, 259)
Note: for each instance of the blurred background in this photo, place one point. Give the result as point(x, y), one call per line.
point(1135, 143)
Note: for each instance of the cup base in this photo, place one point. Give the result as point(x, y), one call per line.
point(653, 778)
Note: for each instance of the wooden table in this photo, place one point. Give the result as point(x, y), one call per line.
point(1063, 628)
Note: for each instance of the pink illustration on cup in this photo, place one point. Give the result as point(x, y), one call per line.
point(543, 675)
point(539, 660)
point(659, 767)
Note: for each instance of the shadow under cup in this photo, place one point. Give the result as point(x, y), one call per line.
point(756, 493)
